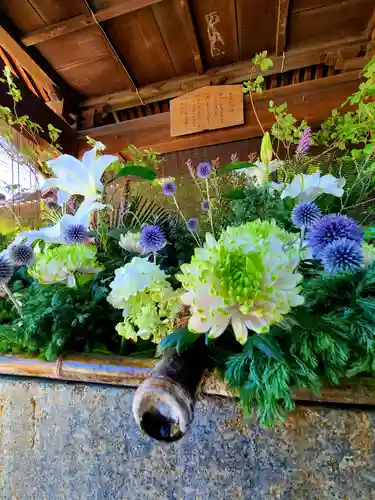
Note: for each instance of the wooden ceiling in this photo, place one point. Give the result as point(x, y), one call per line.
point(117, 54)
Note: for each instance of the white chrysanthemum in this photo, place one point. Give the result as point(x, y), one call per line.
point(247, 280)
point(60, 264)
point(130, 242)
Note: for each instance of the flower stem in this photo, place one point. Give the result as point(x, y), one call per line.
point(184, 219)
point(12, 299)
point(209, 208)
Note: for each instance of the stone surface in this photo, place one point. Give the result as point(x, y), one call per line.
point(77, 442)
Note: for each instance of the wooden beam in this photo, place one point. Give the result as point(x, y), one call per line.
point(25, 60)
point(190, 31)
point(40, 113)
point(233, 73)
point(82, 21)
point(282, 19)
point(312, 100)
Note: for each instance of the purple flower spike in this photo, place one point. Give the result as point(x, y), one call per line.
point(152, 239)
point(331, 228)
point(204, 170)
point(205, 205)
point(304, 142)
point(342, 255)
point(169, 188)
point(192, 224)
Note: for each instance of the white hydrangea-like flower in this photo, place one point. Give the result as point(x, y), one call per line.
point(149, 304)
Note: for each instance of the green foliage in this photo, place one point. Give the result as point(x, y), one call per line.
point(262, 63)
point(259, 202)
point(355, 126)
point(140, 171)
point(329, 338)
point(180, 339)
point(285, 128)
point(234, 166)
point(57, 319)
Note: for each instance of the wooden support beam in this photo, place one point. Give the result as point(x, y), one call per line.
point(82, 21)
point(233, 73)
point(311, 100)
point(40, 113)
point(25, 60)
point(282, 19)
point(190, 31)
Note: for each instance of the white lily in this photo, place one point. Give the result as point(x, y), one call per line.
point(261, 172)
point(308, 187)
point(57, 233)
point(79, 177)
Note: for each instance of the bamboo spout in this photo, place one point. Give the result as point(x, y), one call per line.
point(163, 406)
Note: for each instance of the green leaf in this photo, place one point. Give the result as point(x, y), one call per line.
point(269, 346)
point(234, 166)
point(180, 339)
point(235, 194)
point(369, 232)
point(142, 172)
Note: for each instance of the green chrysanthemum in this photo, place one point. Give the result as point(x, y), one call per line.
point(246, 279)
point(62, 263)
point(148, 301)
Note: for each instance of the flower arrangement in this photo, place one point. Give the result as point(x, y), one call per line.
point(275, 266)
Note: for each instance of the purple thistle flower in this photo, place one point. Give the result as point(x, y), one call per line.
point(204, 170)
point(74, 233)
point(169, 188)
point(342, 255)
point(304, 215)
point(205, 205)
point(21, 255)
point(304, 142)
point(6, 270)
point(152, 239)
point(192, 224)
point(331, 228)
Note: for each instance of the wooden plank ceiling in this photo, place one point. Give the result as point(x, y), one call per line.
point(116, 54)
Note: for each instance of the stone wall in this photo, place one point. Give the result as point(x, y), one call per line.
point(76, 442)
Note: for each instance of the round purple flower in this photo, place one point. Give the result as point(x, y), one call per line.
point(192, 224)
point(6, 270)
point(331, 228)
point(304, 215)
point(152, 239)
point(21, 255)
point(74, 233)
point(342, 255)
point(204, 170)
point(169, 188)
point(205, 205)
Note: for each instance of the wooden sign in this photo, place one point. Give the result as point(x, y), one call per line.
point(208, 108)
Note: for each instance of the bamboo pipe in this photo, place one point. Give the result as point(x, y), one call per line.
point(131, 372)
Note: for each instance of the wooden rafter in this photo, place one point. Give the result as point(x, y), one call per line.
point(282, 19)
point(233, 73)
point(190, 31)
point(82, 21)
point(26, 61)
point(312, 100)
